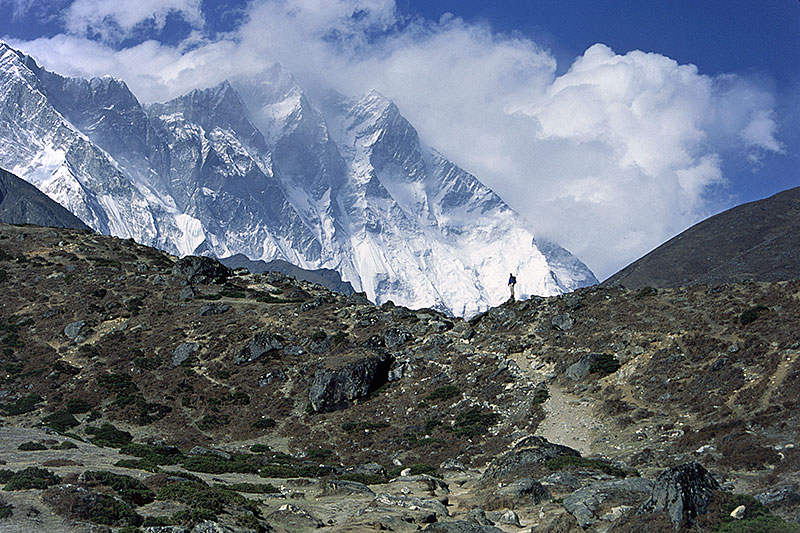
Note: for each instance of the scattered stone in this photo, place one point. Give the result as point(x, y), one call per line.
point(452, 464)
point(199, 450)
point(199, 270)
point(183, 352)
point(73, 330)
point(461, 526)
point(293, 518)
point(738, 513)
point(478, 516)
point(684, 492)
point(396, 337)
point(213, 309)
point(510, 518)
point(271, 376)
point(529, 490)
point(347, 488)
point(366, 469)
point(211, 527)
point(187, 293)
point(563, 322)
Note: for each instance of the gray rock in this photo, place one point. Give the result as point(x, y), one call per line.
point(509, 517)
point(342, 487)
point(435, 507)
point(578, 370)
point(396, 337)
point(684, 492)
point(478, 516)
point(562, 322)
point(525, 457)
point(337, 389)
point(563, 481)
point(461, 526)
point(293, 518)
point(213, 309)
point(366, 469)
point(269, 377)
point(256, 347)
point(211, 527)
point(526, 489)
point(452, 464)
point(199, 450)
point(197, 270)
point(779, 496)
point(166, 529)
point(584, 502)
point(399, 370)
point(73, 330)
point(187, 293)
point(183, 352)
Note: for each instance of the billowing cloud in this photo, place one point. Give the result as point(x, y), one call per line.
point(114, 20)
point(610, 158)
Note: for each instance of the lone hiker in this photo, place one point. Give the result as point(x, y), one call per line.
point(512, 281)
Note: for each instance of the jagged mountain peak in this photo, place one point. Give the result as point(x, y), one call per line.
point(254, 166)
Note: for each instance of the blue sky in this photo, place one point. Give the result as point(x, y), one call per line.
point(611, 126)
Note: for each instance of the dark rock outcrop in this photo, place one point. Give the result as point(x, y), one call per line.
point(259, 345)
point(200, 270)
point(526, 458)
point(324, 276)
point(183, 352)
point(461, 526)
point(583, 366)
point(684, 492)
point(337, 389)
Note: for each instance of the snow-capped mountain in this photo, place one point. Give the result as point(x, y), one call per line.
point(256, 167)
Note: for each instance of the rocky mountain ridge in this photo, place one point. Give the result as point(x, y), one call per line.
point(22, 203)
point(254, 166)
point(756, 241)
point(258, 402)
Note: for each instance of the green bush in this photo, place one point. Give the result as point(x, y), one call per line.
point(260, 448)
point(77, 406)
point(66, 445)
point(3, 275)
point(564, 461)
point(130, 490)
point(540, 396)
point(108, 435)
point(158, 455)
point(60, 420)
point(474, 422)
point(366, 479)
point(213, 420)
point(320, 454)
point(139, 464)
point(31, 446)
point(118, 383)
point(32, 477)
point(444, 392)
point(252, 488)
point(421, 468)
point(605, 364)
point(200, 496)
point(751, 314)
point(23, 405)
point(214, 464)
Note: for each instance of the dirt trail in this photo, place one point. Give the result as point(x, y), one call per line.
point(569, 421)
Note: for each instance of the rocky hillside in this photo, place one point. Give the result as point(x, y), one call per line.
point(143, 391)
point(757, 241)
point(22, 203)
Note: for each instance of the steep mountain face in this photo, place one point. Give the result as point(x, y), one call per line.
point(255, 167)
point(757, 241)
point(22, 203)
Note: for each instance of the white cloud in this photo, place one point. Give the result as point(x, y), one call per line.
point(610, 158)
point(114, 20)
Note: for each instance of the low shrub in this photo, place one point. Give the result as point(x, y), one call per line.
point(32, 477)
point(540, 396)
point(200, 496)
point(751, 314)
point(23, 405)
point(108, 435)
point(212, 421)
point(251, 488)
point(366, 479)
point(66, 445)
point(77, 406)
point(444, 392)
point(31, 446)
point(60, 421)
point(320, 454)
point(474, 422)
point(565, 461)
point(159, 455)
point(605, 364)
point(127, 488)
point(214, 464)
point(757, 518)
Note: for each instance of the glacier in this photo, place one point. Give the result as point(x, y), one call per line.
point(258, 167)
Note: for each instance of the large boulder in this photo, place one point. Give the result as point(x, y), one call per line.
point(335, 389)
point(196, 269)
point(684, 492)
point(260, 344)
point(586, 504)
point(583, 366)
point(526, 459)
